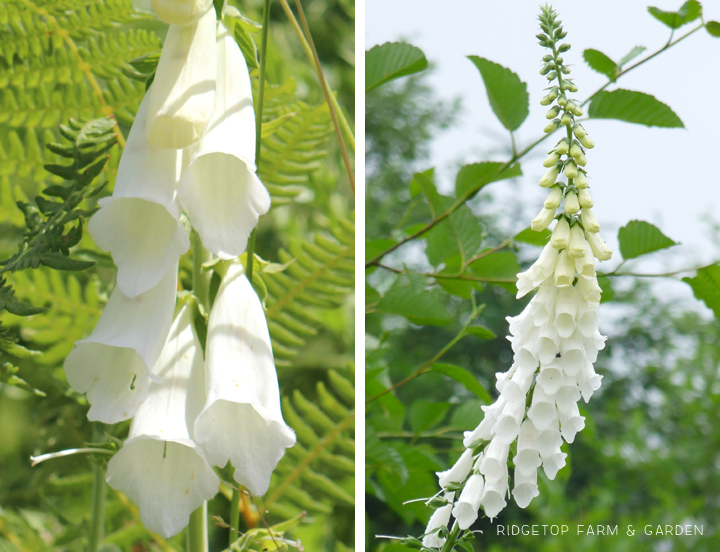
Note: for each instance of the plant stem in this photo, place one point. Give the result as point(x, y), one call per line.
point(328, 94)
point(197, 537)
point(234, 516)
point(258, 125)
point(201, 278)
point(451, 539)
point(97, 524)
point(308, 52)
point(428, 365)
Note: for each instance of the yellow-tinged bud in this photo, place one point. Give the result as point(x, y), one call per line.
point(581, 160)
point(579, 130)
point(562, 146)
point(587, 142)
point(577, 242)
point(586, 202)
point(562, 100)
point(564, 269)
point(543, 220)
point(554, 112)
point(551, 126)
point(575, 150)
point(572, 206)
point(552, 75)
point(554, 198)
point(574, 108)
point(561, 234)
point(571, 170)
point(589, 221)
point(550, 176)
point(546, 100)
point(566, 119)
point(551, 160)
point(598, 247)
point(581, 181)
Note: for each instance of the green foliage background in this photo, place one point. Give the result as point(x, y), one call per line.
point(649, 452)
point(68, 59)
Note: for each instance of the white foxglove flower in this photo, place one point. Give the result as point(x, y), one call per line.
point(439, 519)
point(589, 221)
point(458, 472)
point(550, 176)
point(553, 464)
point(241, 420)
point(565, 269)
point(494, 461)
point(113, 365)
point(493, 500)
point(550, 378)
point(160, 468)
point(554, 198)
point(538, 272)
point(561, 234)
point(527, 460)
point(140, 224)
point(571, 423)
point(542, 412)
point(484, 429)
point(601, 251)
point(467, 506)
point(219, 189)
point(182, 96)
point(585, 199)
point(578, 245)
point(566, 307)
point(180, 12)
point(525, 488)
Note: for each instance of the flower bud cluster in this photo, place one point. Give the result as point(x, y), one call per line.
point(191, 148)
point(555, 340)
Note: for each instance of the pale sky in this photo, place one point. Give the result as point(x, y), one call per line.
point(669, 177)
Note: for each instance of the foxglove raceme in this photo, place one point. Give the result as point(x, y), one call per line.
point(219, 188)
point(241, 420)
point(113, 365)
point(160, 468)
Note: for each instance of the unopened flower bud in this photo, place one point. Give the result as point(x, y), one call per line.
point(601, 251)
point(552, 75)
point(554, 112)
point(551, 126)
point(578, 130)
point(572, 206)
point(546, 68)
point(566, 119)
point(551, 160)
point(550, 176)
point(546, 100)
point(562, 146)
point(543, 220)
point(563, 48)
point(577, 242)
point(577, 110)
point(564, 70)
point(575, 150)
point(564, 270)
point(581, 181)
point(562, 100)
point(581, 160)
point(569, 85)
point(586, 202)
point(589, 221)
point(571, 170)
point(560, 60)
point(587, 142)
point(548, 58)
point(554, 198)
point(561, 234)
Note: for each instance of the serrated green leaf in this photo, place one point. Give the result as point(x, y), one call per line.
point(390, 61)
point(706, 287)
point(638, 238)
point(471, 178)
point(419, 305)
point(463, 376)
point(507, 94)
point(532, 237)
point(501, 266)
point(688, 12)
point(633, 107)
point(601, 63)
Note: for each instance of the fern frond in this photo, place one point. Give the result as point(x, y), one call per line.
point(295, 148)
point(321, 277)
point(317, 474)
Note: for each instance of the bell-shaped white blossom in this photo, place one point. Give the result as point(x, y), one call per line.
point(160, 468)
point(538, 272)
point(180, 12)
point(466, 508)
point(241, 420)
point(458, 472)
point(494, 462)
point(182, 96)
point(527, 459)
point(493, 499)
point(438, 519)
point(113, 364)
point(219, 189)
point(525, 487)
point(140, 224)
